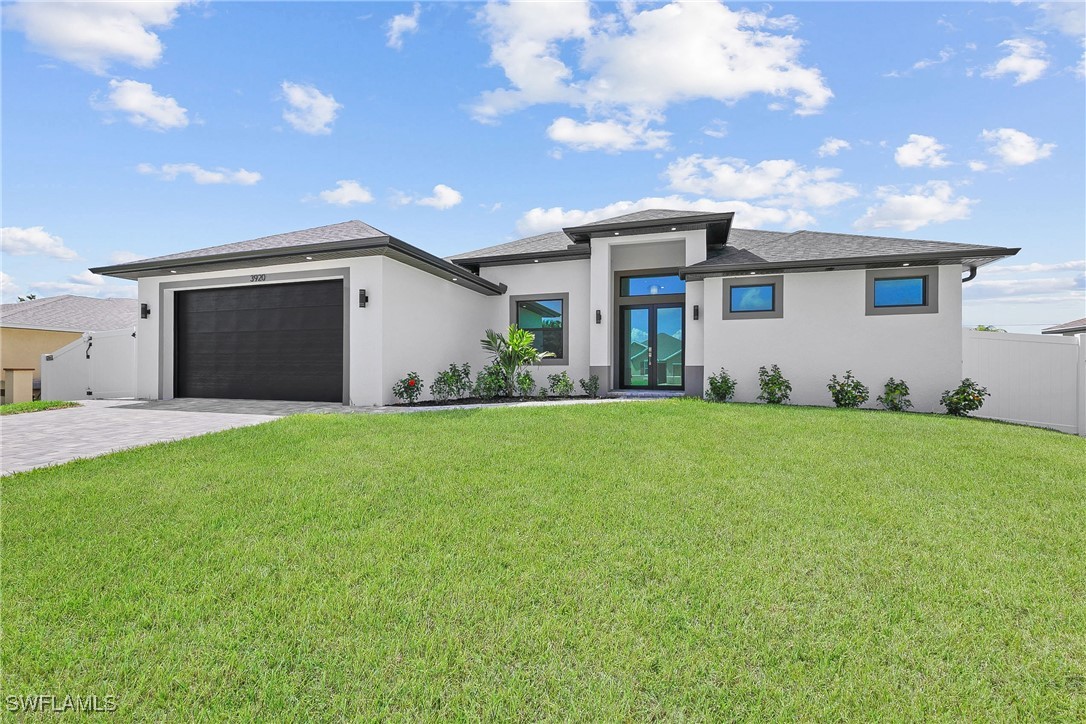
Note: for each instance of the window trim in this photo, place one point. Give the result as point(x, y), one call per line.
point(564, 298)
point(776, 281)
point(930, 275)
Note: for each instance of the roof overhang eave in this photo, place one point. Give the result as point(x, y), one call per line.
point(585, 233)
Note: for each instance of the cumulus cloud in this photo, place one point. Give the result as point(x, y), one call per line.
point(635, 62)
point(89, 285)
point(930, 203)
point(346, 193)
point(773, 182)
point(1029, 290)
point(1026, 60)
point(1014, 147)
point(401, 25)
point(443, 197)
point(19, 241)
point(170, 171)
point(978, 166)
point(309, 111)
point(833, 146)
point(611, 135)
point(94, 35)
point(920, 151)
point(8, 286)
point(1068, 18)
point(144, 107)
point(1078, 265)
point(716, 129)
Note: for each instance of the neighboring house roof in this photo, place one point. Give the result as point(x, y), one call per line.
point(336, 241)
point(70, 313)
point(1073, 327)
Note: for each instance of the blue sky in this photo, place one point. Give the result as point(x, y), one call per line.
point(143, 129)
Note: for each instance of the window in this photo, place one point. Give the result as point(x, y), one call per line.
point(649, 285)
point(755, 298)
point(545, 317)
point(902, 291)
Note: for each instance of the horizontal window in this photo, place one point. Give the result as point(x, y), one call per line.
point(755, 298)
point(643, 286)
point(902, 292)
point(544, 318)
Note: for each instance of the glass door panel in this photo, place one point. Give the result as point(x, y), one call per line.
point(635, 359)
point(667, 347)
point(651, 355)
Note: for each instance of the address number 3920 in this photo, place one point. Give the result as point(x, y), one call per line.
point(258, 277)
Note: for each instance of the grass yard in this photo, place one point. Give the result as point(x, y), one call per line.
point(18, 408)
point(620, 561)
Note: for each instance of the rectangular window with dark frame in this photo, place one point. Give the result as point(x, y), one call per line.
point(545, 318)
point(901, 292)
point(651, 285)
point(752, 298)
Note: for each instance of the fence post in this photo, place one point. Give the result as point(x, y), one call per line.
point(1081, 373)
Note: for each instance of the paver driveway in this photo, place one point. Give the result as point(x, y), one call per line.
point(36, 439)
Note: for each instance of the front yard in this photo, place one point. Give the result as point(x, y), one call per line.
point(616, 561)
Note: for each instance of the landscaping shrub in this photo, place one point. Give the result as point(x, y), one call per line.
point(721, 387)
point(511, 352)
point(775, 387)
point(848, 391)
point(591, 386)
point(560, 385)
point(452, 383)
point(895, 396)
point(409, 388)
point(490, 383)
point(968, 397)
point(525, 384)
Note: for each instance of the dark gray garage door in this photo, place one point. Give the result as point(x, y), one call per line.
point(268, 342)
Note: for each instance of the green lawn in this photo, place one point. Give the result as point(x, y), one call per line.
point(621, 561)
point(18, 408)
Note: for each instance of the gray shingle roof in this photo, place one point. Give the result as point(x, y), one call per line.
point(646, 215)
point(345, 231)
point(540, 243)
point(1077, 325)
point(72, 313)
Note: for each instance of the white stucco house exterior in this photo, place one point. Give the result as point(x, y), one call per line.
point(654, 300)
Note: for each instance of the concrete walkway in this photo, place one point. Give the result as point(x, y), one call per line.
point(37, 439)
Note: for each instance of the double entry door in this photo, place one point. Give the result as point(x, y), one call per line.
point(651, 346)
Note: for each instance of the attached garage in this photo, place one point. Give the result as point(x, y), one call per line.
point(261, 342)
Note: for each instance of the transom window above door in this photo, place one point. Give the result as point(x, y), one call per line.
point(545, 317)
point(651, 284)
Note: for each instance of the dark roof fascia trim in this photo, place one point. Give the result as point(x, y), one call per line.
point(985, 255)
point(582, 234)
point(383, 244)
point(1063, 329)
point(527, 258)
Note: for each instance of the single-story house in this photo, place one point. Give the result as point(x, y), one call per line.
point(39, 326)
point(653, 300)
point(1069, 329)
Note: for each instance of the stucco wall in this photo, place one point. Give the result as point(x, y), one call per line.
point(24, 347)
point(825, 331)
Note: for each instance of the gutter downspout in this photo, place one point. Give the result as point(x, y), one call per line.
point(972, 275)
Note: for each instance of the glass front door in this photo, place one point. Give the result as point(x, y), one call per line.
point(651, 354)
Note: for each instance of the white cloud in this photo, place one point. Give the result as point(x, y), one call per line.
point(19, 241)
point(1078, 265)
point(833, 146)
point(635, 62)
point(1068, 18)
point(144, 107)
point(1026, 60)
point(346, 193)
point(1014, 147)
point(401, 24)
point(608, 136)
point(94, 35)
point(978, 166)
point(310, 110)
point(170, 171)
point(774, 182)
point(123, 257)
point(539, 220)
point(8, 286)
point(716, 129)
point(443, 197)
point(87, 284)
point(1047, 289)
point(930, 203)
point(920, 151)
point(924, 63)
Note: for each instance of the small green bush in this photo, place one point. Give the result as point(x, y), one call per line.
point(591, 386)
point(409, 388)
point(848, 391)
point(721, 387)
point(968, 397)
point(525, 384)
point(490, 383)
point(560, 385)
point(775, 387)
point(453, 383)
point(895, 396)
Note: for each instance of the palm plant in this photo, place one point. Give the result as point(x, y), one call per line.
point(512, 352)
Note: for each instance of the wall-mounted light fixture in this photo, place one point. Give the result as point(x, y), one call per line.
point(599, 317)
point(362, 298)
point(696, 312)
point(145, 311)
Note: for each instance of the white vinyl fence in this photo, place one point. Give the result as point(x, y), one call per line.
point(1034, 379)
point(100, 365)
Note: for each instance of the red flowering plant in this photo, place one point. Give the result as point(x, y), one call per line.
point(409, 388)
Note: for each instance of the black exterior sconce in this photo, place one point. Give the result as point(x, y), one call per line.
point(599, 317)
point(362, 298)
point(145, 311)
point(696, 312)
